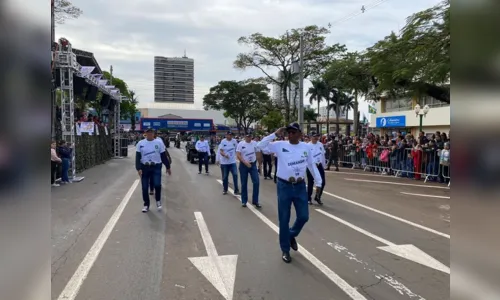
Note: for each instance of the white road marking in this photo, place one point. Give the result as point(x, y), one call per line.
point(423, 195)
point(409, 252)
point(389, 215)
point(393, 283)
point(219, 270)
point(75, 283)
point(336, 279)
point(399, 183)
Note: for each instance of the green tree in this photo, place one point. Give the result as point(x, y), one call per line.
point(133, 109)
point(351, 73)
point(310, 116)
point(317, 92)
point(416, 62)
point(279, 53)
point(128, 105)
point(272, 120)
point(64, 9)
point(244, 101)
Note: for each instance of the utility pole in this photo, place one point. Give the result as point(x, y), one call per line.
point(301, 83)
point(111, 75)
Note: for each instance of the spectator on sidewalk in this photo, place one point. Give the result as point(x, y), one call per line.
point(55, 160)
point(416, 153)
point(65, 153)
point(444, 161)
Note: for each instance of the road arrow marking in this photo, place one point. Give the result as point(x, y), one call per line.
point(219, 270)
point(409, 252)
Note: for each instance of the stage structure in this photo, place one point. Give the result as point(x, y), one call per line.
point(66, 67)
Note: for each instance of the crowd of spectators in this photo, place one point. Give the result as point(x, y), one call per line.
point(425, 156)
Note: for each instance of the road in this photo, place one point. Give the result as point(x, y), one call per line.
point(204, 245)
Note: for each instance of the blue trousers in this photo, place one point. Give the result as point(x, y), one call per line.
point(225, 174)
point(149, 172)
point(287, 194)
point(65, 169)
point(254, 175)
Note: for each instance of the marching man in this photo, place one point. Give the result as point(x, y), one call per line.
point(294, 157)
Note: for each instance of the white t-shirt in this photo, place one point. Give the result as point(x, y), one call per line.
point(160, 139)
point(318, 153)
point(266, 150)
point(229, 148)
point(202, 146)
point(293, 160)
point(150, 150)
point(248, 150)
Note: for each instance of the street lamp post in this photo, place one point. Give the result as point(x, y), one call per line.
point(421, 113)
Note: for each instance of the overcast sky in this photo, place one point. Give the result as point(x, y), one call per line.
point(128, 33)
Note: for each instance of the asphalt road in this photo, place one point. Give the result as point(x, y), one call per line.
point(204, 245)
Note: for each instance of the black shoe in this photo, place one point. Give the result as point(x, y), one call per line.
point(244, 205)
point(337, 169)
point(286, 257)
point(293, 244)
point(317, 199)
point(257, 205)
point(310, 202)
point(237, 192)
point(224, 193)
point(151, 192)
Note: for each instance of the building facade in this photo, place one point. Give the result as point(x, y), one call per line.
point(185, 111)
point(393, 115)
point(174, 79)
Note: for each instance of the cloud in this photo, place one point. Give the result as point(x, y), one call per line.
point(128, 34)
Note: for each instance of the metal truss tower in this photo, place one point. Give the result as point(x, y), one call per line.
point(67, 65)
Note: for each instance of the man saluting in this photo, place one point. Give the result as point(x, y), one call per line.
point(294, 158)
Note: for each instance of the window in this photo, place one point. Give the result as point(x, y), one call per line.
point(398, 105)
point(432, 102)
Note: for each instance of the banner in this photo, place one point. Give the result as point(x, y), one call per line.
point(87, 127)
point(85, 71)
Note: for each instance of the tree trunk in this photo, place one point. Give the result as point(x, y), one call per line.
point(327, 116)
point(317, 123)
point(356, 118)
point(337, 115)
point(286, 102)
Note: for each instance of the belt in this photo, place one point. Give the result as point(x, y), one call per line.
point(292, 180)
point(150, 164)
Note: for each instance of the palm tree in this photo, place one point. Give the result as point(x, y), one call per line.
point(342, 102)
point(310, 115)
point(317, 93)
point(133, 102)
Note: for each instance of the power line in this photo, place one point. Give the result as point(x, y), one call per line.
point(363, 9)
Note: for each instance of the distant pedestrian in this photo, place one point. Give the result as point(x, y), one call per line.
point(226, 157)
point(55, 160)
point(203, 148)
point(294, 157)
point(65, 152)
point(148, 163)
point(250, 164)
point(319, 156)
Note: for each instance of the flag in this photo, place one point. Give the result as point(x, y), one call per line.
point(372, 109)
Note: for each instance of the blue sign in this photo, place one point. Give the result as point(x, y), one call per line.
point(177, 124)
point(128, 121)
point(393, 121)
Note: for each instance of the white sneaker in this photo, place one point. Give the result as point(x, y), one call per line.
point(55, 184)
point(158, 205)
point(145, 209)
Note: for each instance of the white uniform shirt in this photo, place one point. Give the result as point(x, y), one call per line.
point(229, 148)
point(318, 152)
point(160, 139)
point(293, 160)
point(203, 146)
point(266, 150)
point(248, 151)
point(150, 150)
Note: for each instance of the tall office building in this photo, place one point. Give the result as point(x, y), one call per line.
point(174, 79)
